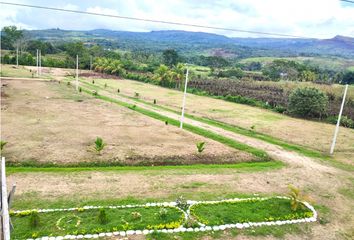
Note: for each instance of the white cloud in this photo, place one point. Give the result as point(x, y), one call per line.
point(315, 18)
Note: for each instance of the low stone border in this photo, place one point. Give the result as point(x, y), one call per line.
point(202, 228)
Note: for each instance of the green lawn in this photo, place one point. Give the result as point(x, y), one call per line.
point(247, 211)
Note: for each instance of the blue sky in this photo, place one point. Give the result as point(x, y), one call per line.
point(313, 18)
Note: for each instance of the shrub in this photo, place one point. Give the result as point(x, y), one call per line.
point(163, 213)
point(118, 90)
point(308, 102)
point(102, 216)
point(279, 109)
point(99, 145)
point(68, 83)
point(166, 122)
point(95, 93)
point(80, 89)
point(34, 219)
point(344, 121)
point(200, 146)
point(182, 203)
point(136, 215)
point(154, 101)
point(105, 85)
point(136, 94)
point(93, 81)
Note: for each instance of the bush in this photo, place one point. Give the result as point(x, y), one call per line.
point(344, 121)
point(308, 102)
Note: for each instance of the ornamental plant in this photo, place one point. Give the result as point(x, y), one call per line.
point(296, 197)
point(136, 215)
point(99, 145)
point(182, 203)
point(163, 213)
point(102, 216)
point(34, 220)
point(200, 146)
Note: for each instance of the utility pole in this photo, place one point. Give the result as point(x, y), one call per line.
point(338, 121)
point(37, 63)
point(40, 62)
point(17, 56)
point(0, 56)
point(184, 99)
point(77, 72)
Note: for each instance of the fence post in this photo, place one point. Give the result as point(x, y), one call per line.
point(4, 204)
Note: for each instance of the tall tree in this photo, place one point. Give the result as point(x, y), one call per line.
point(170, 57)
point(10, 37)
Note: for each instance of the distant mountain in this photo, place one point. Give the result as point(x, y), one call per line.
point(204, 43)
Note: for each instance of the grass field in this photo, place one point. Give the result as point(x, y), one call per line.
point(311, 134)
point(49, 122)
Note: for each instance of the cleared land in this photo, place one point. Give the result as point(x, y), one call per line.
point(47, 122)
point(331, 188)
point(311, 134)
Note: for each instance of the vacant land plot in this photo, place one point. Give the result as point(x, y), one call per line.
point(311, 134)
point(41, 119)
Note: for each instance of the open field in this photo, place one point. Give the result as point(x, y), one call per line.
point(50, 119)
point(311, 134)
point(38, 129)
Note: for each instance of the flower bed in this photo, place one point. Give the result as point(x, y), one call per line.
point(82, 221)
point(78, 223)
point(247, 211)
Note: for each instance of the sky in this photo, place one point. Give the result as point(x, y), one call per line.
point(309, 18)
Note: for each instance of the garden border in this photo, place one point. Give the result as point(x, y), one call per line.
point(181, 229)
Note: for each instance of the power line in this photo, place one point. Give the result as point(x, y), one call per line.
point(155, 21)
point(348, 1)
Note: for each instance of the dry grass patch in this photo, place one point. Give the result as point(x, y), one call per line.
point(48, 122)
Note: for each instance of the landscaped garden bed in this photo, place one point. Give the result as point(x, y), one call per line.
point(168, 217)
